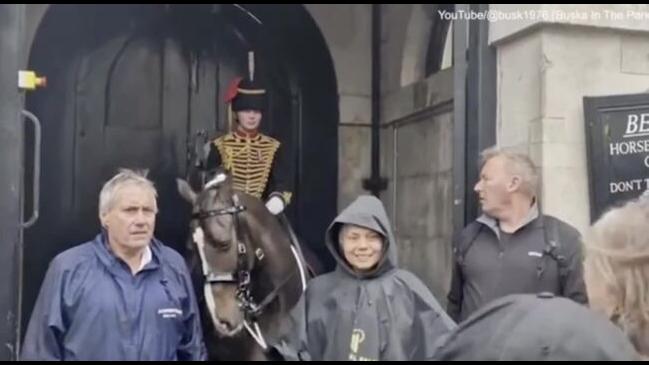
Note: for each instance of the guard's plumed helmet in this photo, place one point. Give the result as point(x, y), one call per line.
point(247, 93)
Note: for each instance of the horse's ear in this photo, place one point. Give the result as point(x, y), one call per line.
point(186, 191)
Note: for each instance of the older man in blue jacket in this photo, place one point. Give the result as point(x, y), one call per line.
point(123, 295)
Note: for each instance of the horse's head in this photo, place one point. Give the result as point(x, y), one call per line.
point(224, 256)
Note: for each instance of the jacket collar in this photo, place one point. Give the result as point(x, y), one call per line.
point(116, 265)
point(494, 224)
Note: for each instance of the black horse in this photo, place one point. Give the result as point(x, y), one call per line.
point(246, 273)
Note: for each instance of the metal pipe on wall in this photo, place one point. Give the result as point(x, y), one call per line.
point(376, 183)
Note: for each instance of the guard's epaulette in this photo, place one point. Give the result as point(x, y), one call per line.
point(226, 137)
point(265, 138)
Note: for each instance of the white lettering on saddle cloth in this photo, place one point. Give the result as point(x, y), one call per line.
point(170, 312)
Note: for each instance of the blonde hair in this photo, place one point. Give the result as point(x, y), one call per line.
point(617, 250)
point(519, 164)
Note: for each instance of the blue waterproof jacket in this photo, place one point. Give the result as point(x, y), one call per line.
point(91, 307)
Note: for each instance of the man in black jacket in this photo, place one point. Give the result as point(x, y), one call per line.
point(512, 248)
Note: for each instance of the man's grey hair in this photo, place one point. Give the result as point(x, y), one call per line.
point(124, 177)
point(517, 164)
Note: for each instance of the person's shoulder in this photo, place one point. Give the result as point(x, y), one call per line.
point(171, 257)
point(223, 138)
point(473, 227)
point(268, 139)
point(568, 237)
point(75, 256)
point(169, 253)
point(74, 264)
point(322, 279)
point(464, 237)
point(412, 288)
point(412, 282)
point(323, 284)
point(565, 229)
point(403, 273)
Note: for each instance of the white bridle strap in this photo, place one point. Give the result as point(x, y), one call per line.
point(300, 267)
point(256, 334)
point(199, 239)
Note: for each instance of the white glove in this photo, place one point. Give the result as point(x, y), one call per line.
point(275, 205)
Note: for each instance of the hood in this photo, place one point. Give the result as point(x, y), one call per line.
point(366, 211)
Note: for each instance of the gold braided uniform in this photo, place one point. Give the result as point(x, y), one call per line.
point(249, 160)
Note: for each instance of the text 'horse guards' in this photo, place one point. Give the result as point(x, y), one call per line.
point(247, 274)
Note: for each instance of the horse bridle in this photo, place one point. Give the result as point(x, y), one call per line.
point(241, 275)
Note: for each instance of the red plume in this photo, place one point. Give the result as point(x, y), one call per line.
point(231, 92)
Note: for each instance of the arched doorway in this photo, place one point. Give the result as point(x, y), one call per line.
point(130, 85)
